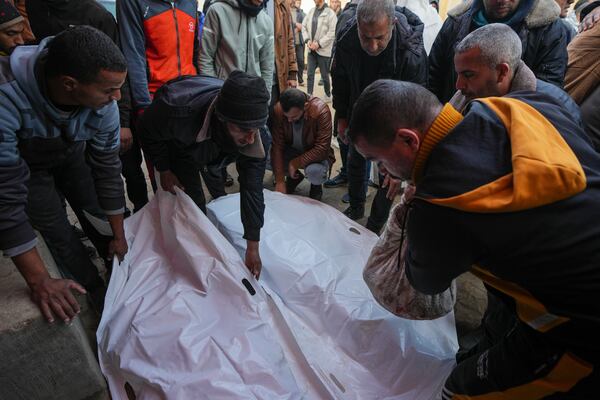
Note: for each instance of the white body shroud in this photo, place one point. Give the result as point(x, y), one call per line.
point(179, 324)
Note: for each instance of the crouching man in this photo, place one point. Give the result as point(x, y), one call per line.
point(301, 140)
point(507, 191)
point(197, 122)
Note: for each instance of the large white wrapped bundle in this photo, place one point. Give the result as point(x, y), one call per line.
point(180, 324)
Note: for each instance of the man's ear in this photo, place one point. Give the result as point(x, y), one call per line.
point(408, 137)
point(69, 83)
point(503, 71)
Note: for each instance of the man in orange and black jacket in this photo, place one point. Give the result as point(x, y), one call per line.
point(508, 190)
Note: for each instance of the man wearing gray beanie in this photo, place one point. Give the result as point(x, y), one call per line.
point(199, 122)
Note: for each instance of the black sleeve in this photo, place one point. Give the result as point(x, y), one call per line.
point(252, 203)
point(340, 81)
point(416, 68)
point(439, 59)
point(551, 57)
point(439, 247)
point(15, 229)
point(155, 133)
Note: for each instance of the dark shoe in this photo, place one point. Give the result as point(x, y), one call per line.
point(346, 198)
point(355, 213)
point(336, 181)
point(373, 184)
point(321, 82)
point(228, 180)
point(316, 192)
point(291, 184)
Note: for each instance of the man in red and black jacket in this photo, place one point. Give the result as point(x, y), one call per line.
point(160, 42)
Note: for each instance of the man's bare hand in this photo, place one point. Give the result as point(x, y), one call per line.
point(292, 83)
point(292, 171)
point(393, 185)
point(117, 247)
point(590, 20)
point(126, 140)
point(298, 26)
point(280, 187)
point(168, 181)
point(253, 262)
point(54, 297)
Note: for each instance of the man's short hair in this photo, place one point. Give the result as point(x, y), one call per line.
point(82, 52)
point(498, 44)
point(386, 105)
point(291, 98)
point(372, 11)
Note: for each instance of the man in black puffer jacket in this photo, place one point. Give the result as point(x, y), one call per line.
point(536, 22)
point(195, 122)
point(381, 42)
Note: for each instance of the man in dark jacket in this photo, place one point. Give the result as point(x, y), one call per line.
point(49, 18)
point(301, 140)
point(536, 22)
point(506, 190)
point(382, 41)
point(59, 132)
point(200, 122)
point(488, 63)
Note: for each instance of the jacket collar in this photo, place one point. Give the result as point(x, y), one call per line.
point(443, 124)
point(542, 13)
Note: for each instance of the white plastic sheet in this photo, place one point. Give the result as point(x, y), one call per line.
point(179, 324)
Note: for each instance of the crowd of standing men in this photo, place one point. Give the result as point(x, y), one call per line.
point(490, 118)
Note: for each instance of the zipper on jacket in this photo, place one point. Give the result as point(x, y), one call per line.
point(177, 36)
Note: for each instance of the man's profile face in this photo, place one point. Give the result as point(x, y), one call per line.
point(105, 89)
point(319, 3)
point(398, 158)
point(374, 38)
point(474, 77)
point(294, 114)
point(256, 3)
point(11, 37)
point(298, 3)
point(500, 9)
point(241, 136)
point(335, 5)
point(564, 7)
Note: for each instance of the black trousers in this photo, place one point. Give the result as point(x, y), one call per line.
point(314, 61)
point(135, 180)
point(72, 177)
point(300, 61)
point(521, 363)
point(357, 178)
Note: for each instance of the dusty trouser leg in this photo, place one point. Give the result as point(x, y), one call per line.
point(380, 209)
point(523, 363)
point(48, 216)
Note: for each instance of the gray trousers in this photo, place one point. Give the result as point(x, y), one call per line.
point(316, 173)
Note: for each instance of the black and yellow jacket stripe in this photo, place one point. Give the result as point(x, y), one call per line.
point(511, 191)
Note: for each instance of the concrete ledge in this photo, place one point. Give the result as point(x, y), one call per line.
point(42, 360)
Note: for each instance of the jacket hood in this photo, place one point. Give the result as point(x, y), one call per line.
point(408, 31)
point(23, 63)
point(542, 13)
